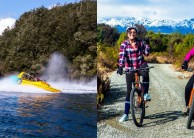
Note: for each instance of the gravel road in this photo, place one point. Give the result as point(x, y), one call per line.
point(163, 115)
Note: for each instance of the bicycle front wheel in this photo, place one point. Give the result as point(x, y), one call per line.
point(137, 107)
point(191, 114)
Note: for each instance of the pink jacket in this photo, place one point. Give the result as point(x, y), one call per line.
point(189, 55)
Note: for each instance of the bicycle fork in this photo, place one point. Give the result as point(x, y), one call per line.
point(140, 88)
point(191, 96)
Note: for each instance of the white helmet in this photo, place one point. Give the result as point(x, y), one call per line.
point(132, 27)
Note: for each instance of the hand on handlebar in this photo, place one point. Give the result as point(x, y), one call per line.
point(120, 71)
point(185, 65)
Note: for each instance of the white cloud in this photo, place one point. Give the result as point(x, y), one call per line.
point(151, 9)
point(4, 23)
point(52, 6)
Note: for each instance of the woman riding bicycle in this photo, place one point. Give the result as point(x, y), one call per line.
point(189, 84)
point(131, 55)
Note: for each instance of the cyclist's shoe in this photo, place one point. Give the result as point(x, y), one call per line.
point(147, 97)
point(124, 118)
point(185, 111)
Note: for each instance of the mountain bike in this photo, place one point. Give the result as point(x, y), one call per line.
point(191, 106)
point(137, 102)
point(191, 111)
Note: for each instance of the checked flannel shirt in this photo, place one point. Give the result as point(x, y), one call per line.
point(132, 58)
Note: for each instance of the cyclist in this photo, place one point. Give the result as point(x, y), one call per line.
point(189, 84)
point(131, 56)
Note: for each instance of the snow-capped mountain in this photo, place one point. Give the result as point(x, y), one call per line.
point(162, 26)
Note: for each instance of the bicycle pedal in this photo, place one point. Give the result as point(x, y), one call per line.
point(146, 117)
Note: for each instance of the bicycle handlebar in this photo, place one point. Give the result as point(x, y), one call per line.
point(190, 70)
point(144, 69)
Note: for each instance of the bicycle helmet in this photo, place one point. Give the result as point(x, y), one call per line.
point(132, 27)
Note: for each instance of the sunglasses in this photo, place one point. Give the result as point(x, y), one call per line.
point(130, 32)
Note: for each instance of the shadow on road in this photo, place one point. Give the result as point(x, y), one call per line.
point(162, 118)
point(107, 110)
point(107, 115)
point(116, 94)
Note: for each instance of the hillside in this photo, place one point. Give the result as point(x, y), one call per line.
point(69, 29)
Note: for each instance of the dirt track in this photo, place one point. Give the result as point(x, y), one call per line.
point(163, 115)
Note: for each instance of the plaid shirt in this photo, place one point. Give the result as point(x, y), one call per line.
point(131, 57)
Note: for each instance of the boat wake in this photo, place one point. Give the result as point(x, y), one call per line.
point(6, 85)
point(73, 87)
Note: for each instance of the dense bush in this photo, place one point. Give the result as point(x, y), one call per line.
point(69, 29)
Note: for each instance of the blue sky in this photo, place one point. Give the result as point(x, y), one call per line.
point(150, 9)
point(15, 8)
point(11, 10)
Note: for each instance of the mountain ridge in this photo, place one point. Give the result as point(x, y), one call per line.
point(163, 26)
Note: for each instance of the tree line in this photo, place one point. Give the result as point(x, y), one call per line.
point(173, 46)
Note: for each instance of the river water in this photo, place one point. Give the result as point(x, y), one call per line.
point(27, 111)
point(47, 114)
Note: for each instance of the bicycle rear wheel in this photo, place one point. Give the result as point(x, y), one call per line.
point(191, 115)
point(137, 107)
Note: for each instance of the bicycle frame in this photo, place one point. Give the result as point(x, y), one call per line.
point(136, 80)
point(139, 86)
point(191, 111)
point(192, 91)
point(191, 97)
point(191, 107)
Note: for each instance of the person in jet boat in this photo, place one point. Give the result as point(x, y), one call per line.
point(30, 77)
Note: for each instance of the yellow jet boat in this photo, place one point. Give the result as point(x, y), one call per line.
point(27, 79)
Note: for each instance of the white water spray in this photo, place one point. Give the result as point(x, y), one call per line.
point(56, 75)
point(8, 85)
point(55, 70)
